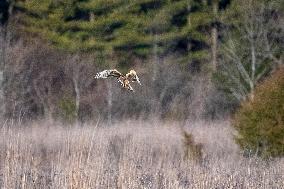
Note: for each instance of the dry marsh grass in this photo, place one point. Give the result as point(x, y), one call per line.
point(131, 155)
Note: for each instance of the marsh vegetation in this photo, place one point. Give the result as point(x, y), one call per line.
point(132, 154)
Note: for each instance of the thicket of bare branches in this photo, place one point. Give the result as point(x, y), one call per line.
point(252, 48)
point(43, 83)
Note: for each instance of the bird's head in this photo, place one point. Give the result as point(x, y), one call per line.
point(134, 76)
point(132, 72)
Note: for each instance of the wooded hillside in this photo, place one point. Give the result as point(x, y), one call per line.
point(196, 59)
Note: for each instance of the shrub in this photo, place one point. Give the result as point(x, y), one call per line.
point(192, 150)
point(260, 122)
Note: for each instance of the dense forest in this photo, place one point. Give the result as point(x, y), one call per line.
point(196, 59)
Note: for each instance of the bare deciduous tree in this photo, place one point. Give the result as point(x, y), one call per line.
point(79, 69)
point(249, 51)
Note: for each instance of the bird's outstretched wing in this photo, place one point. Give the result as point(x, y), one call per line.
point(108, 73)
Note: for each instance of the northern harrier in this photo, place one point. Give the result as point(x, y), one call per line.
point(124, 80)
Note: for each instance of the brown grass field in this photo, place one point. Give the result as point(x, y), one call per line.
point(132, 154)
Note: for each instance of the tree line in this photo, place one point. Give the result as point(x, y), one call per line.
point(196, 59)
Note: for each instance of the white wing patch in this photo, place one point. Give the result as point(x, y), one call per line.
point(103, 74)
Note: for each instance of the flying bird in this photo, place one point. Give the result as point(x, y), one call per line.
point(124, 80)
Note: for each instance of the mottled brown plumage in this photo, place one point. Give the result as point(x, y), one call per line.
point(124, 80)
